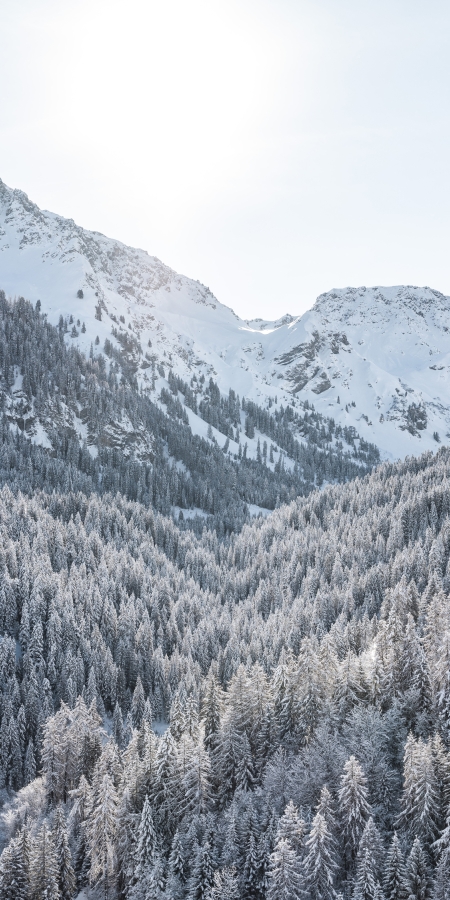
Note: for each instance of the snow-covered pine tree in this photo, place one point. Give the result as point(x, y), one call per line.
point(15, 868)
point(127, 822)
point(354, 807)
point(284, 880)
point(137, 704)
point(117, 727)
point(251, 880)
point(102, 835)
point(226, 886)
point(372, 844)
point(7, 879)
point(44, 866)
point(441, 881)
point(146, 845)
point(211, 711)
point(326, 808)
point(29, 768)
point(197, 782)
point(320, 862)
point(177, 718)
point(420, 799)
point(417, 880)
point(166, 786)
point(65, 872)
point(151, 882)
point(176, 877)
point(202, 878)
point(293, 828)
point(366, 881)
point(394, 882)
point(442, 688)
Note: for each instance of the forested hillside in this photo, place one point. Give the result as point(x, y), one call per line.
point(93, 429)
point(254, 715)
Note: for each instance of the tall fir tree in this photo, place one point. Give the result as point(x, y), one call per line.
point(44, 866)
point(202, 878)
point(102, 835)
point(394, 882)
point(354, 807)
point(320, 862)
point(146, 846)
point(65, 872)
point(417, 880)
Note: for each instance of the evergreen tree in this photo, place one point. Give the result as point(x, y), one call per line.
point(177, 719)
point(65, 872)
point(326, 808)
point(150, 885)
point(395, 872)
point(211, 710)
point(320, 864)
point(117, 728)
point(420, 799)
point(127, 821)
point(44, 866)
point(146, 840)
point(29, 771)
point(197, 783)
point(417, 877)
point(166, 785)
point(292, 828)
point(202, 879)
point(284, 875)
point(366, 881)
point(441, 883)
point(226, 885)
point(7, 879)
point(15, 868)
point(138, 704)
point(252, 886)
point(372, 844)
point(177, 869)
point(354, 807)
point(101, 834)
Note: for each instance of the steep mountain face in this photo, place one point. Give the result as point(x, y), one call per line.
point(383, 356)
point(377, 359)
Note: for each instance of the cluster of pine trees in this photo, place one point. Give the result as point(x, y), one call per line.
point(259, 715)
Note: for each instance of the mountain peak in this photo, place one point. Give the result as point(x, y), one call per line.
point(370, 357)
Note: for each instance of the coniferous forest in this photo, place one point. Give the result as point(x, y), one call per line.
point(216, 707)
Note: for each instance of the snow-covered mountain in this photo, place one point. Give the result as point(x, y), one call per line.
point(377, 359)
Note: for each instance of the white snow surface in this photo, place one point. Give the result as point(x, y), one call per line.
point(364, 356)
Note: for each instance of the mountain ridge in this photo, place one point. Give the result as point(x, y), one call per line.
point(375, 359)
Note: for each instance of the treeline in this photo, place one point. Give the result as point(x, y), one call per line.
point(284, 422)
point(278, 423)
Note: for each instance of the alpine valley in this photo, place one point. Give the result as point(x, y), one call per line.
point(224, 584)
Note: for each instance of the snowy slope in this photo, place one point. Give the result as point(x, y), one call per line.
point(380, 356)
point(374, 358)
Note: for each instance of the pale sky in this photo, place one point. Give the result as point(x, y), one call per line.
point(273, 149)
